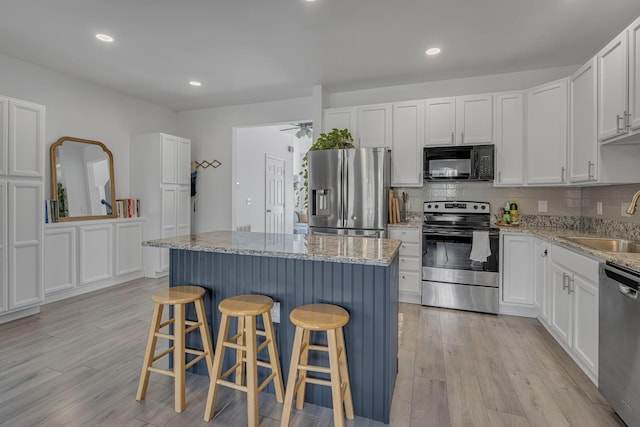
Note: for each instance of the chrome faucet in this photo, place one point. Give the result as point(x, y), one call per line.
point(634, 201)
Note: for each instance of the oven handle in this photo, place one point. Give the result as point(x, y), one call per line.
point(456, 233)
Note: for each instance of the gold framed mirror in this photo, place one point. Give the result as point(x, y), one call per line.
point(82, 179)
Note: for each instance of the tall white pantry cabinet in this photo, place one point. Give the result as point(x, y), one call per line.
point(161, 179)
point(21, 207)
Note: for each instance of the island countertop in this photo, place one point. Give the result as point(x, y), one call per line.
point(346, 249)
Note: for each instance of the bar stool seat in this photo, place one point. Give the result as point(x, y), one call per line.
point(316, 318)
point(245, 308)
point(178, 297)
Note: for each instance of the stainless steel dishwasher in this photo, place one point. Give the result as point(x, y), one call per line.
point(619, 338)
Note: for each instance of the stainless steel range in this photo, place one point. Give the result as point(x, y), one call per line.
point(452, 234)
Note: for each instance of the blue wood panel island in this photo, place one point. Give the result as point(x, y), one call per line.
point(358, 274)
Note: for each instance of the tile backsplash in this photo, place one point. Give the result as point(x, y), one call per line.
point(561, 201)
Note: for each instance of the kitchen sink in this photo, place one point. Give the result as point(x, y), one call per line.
point(608, 245)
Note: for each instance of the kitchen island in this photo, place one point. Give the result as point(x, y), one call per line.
point(358, 274)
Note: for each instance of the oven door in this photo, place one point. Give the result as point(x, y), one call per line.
point(446, 258)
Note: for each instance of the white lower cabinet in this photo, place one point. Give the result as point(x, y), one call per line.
point(410, 283)
point(574, 306)
point(517, 287)
point(91, 255)
point(557, 285)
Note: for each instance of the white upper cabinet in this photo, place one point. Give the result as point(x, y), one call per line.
point(440, 121)
point(4, 135)
point(547, 133)
point(26, 139)
point(183, 167)
point(374, 126)
point(474, 123)
point(583, 143)
point(168, 157)
point(459, 120)
point(340, 118)
point(408, 138)
point(613, 89)
point(634, 75)
point(509, 119)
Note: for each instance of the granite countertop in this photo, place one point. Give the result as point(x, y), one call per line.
point(556, 235)
point(345, 249)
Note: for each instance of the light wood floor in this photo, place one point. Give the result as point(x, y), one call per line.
point(77, 364)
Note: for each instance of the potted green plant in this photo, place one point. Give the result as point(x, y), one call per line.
point(336, 139)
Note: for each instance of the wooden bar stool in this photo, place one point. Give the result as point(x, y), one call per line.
point(245, 308)
point(178, 297)
point(319, 317)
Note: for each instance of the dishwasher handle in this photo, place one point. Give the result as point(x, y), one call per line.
point(622, 276)
point(628, 292)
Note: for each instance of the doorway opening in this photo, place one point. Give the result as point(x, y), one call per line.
point(268, 193)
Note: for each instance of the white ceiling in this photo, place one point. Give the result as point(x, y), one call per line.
point(257, 50)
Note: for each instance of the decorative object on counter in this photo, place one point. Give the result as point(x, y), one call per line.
point(205, 164)
point(513, 212)
point(394, 209)
point(82, 179)
point(506, 217)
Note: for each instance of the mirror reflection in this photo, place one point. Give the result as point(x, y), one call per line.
point(82, 179)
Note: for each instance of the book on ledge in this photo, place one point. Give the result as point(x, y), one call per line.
point(127, 208)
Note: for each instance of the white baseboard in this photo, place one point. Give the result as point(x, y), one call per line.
point(4, 318)
point(410, 298)
point(517, 310)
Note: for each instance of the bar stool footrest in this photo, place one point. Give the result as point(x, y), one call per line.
point(232, 385)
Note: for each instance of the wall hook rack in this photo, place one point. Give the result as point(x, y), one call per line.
point(205, 164)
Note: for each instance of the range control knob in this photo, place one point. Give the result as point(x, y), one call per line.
point(475, 207)
point(483, 207)
point(436, 206)
point(428, 206)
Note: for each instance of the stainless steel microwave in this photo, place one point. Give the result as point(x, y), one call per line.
point(459, 163)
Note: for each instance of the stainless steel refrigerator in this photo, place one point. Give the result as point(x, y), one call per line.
point(348, 191)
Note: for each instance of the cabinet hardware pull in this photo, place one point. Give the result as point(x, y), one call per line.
point(453, 137)
point(569, 290)
point(618, 128)
point(564, 281)
point(589, 169)
point(562, 170)
point(545, 253)
point(462, 137)
point(627, 119)
point(499, 176)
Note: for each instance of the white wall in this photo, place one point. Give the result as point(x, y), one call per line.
point(252, 146)
point(211, 134)
point(85, 110)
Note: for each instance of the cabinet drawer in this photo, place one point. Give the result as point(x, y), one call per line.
point(410, 264)
point(410, 250)
point(580, 264)
point(410, 282)
point(407, 235)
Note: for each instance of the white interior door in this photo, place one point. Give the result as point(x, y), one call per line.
point(274, 195)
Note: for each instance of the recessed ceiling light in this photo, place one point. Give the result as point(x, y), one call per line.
point(104, 38)
point(309, 0)
point(433, 51)
point(195, 83)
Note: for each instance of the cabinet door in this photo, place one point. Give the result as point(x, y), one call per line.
point(169, 159)
point(184, 161)
point(168, 221)
point(613, 90)
point(540, 278)
point(25, 243)
point(374, 126)
point(340, 118)
point(4, 135)
point(95, 251)
point(585, 321)
point(59, 259)
point(406, 152)
point(547, 134)
point(410, 283)
point(474, 119)
point(128, 248)
point(634, 74)
point(517, 268)
point(184, 211)
point(26, 139)
point(509, 139)
point(561, 302)
point(583, 141)
point(440, 121)
point(4, 277)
